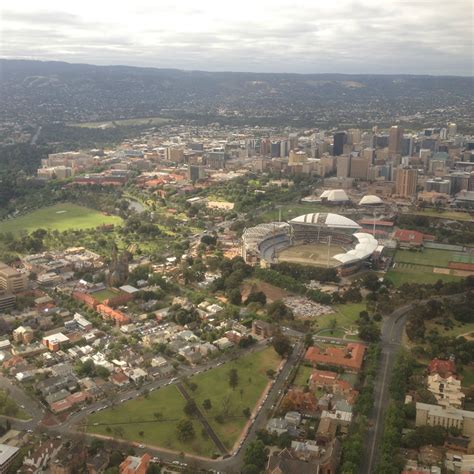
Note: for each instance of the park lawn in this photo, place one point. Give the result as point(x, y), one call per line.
point(457, 216)
point(458, 329)
point(214, 385)
point(59, 217)
point(345, 315)
point(427, 257)
point(9, 407)
point(337, 332)
point(170, 403)
point(399, 276)
point(121, 122)
point(289, 211)
point(302, 375)
point(468, 376)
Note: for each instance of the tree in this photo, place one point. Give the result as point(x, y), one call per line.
point(190, 408)
point(246, 412)
point(256, 454)
point(235, 297)
point(256, 297)
point(206, 404)
point(282, 345)
point(332, 325)
point(185, 430)
point(278, 311)
point(308, 340)
point(233, 378)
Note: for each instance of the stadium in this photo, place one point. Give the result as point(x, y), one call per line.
point(319, 239)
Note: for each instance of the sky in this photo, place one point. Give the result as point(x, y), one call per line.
point(310, 36)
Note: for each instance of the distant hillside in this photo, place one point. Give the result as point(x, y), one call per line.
point(42, 92)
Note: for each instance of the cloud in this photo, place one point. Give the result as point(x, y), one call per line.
point(354, 36)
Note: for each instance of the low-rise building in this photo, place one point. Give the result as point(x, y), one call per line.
point(447, 391)
point(435, 415)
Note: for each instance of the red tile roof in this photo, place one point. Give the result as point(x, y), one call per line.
point(442, 367)
point(350, 357)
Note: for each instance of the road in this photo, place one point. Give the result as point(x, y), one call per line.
point(392, 332)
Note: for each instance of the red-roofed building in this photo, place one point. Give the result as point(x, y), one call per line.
point(109, 313)
point(411, 238)
point(445, 368)
point(135, 464)
point(350, 357)
point(322, 379)
point(119, 379)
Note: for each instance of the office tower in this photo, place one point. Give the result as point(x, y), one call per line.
point(369, 154)
point(406, 182)
point(452, 130)
point(407, 145)
point(265, 146)
point(354, 136)
point(175, 155)
point(439, 185)
point(395, 140)
point(293, 139)
point(297, 158)
point(340, 139)
point(381, 141)
point(216, 159)
point(359, 168)
point(196, 173)
point(275, 149)
point(343, 166)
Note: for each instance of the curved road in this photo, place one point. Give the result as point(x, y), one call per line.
point(392, 332)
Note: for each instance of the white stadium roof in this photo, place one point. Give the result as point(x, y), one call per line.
point(335, 195)
point(327, 220)
point(370, 199)
point(364, 249)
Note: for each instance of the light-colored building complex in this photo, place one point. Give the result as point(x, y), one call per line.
point(11, 280)
point(447, 391)
point(436, 415)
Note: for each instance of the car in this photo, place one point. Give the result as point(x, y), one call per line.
point(141, 446)
point(96, 424)
point(22, 406)
point(29, 431)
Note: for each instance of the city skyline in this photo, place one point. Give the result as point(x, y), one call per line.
point(309, 37)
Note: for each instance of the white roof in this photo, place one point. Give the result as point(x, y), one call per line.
point(328, 220)
point(6, 453)
point(370, 199)
point(335, 195)
point(364, 249)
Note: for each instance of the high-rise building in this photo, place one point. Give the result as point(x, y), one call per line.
point(297, 158)
point(439, 185)
point(359, 168)
point(452, 130)
point(196, 173)
point(395, 140)
point(175, 155)
point(406, 182)
point(340, 139)
point(369, 154)
point(343, 166)
point(407, 145)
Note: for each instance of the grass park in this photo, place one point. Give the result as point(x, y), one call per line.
point(451, 215)
point(59, 217)
point(289, 211)
point(149, 121)
point(135, 420)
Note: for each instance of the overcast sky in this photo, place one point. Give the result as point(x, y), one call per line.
point(309, 36)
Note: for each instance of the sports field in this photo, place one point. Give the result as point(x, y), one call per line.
point(106, 294)
point(426, 266)
point(60, 217)
point(311, 254)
